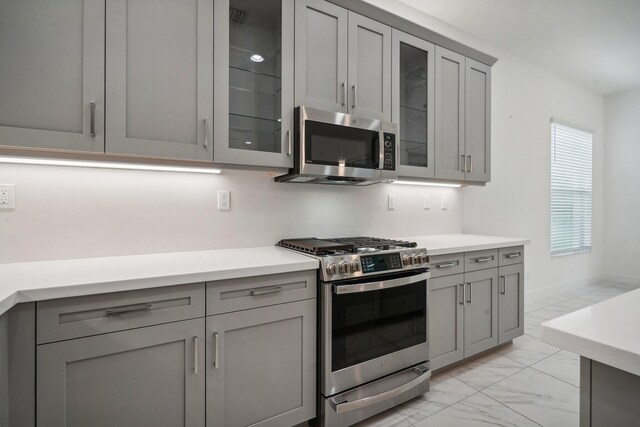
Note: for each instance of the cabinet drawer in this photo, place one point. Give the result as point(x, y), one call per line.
point(225, 296)
point(444, 265)
point(67, 318)
point(512, 255)
point(479, 260)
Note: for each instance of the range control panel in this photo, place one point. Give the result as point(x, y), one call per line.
point(339, 267)
point(389, 152)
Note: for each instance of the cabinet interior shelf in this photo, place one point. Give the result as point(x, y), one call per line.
point(259, 92)
point(235, 67)
point(419, 110)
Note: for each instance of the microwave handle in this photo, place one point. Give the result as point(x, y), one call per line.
point(381, 150)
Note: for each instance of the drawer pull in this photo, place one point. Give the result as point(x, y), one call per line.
point(512, 255)
point(265, 291)
point(447, 264)
point(485, 259)
point(129, 309)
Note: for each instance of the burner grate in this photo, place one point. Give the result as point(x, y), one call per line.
point(374, 242)
point(317, 246)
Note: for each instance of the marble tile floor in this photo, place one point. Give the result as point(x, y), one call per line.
point(526, 383)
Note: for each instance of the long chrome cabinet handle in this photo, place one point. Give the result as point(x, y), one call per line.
point(512, 255)
point(344, 93)
point(470, 164)
point(195, 355)
point(354, 89)
point(206, 132)
point(463, 162)
point(504, 285)
point(461, 294)
point(447, 264)
point(216, 363)
point(485, 259)
point(470, 299)
point(289, 146)
point(92, 121)
point(265, 291)
point(129, 309)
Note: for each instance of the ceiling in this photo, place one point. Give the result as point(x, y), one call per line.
point(595, 43)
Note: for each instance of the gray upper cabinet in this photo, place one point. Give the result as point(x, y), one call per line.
point(153, 376)
point(446, 320)
point(478, 121)
point(342, 60)
point(413, 62)
point(261, 366)
point(52, 74)
point(254, 82)
point(450, 125)
point(510, 302)
point(481, 311)
point(159, 78)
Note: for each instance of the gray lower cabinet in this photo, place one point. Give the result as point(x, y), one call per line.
point(446, 320)
point(481, 311)
point(342, 61)
point(510, 302)
point(153, 376)
point(261, 366)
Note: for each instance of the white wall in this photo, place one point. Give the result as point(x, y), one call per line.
point(622, 178)
point(516, 202)
point(64, 212)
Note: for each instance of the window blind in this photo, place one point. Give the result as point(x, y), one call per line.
point(571, 189)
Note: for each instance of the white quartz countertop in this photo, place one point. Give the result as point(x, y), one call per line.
point(442, 244)
point(608, 332)
point(35, 281)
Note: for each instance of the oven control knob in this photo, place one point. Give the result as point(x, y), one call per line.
point(406, 260)
point(343, 267)
point(417, 259)
point(332, 268)
point(355, 266)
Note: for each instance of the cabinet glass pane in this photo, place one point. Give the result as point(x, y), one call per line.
point(255, 70)
point(413, 106)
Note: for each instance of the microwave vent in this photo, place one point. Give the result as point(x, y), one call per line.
point(237, 16)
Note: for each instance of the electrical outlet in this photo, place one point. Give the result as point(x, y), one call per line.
point(426, 203)
point(224, 200)
point(444, 203)
point(391, 202)
point(7, 196)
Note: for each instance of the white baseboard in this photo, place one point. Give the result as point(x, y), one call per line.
point(622, 278)
point(536, 294)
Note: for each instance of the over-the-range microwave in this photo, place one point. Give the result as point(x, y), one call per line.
point(338, 148)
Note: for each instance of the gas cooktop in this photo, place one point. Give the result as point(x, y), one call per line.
point(340, 245)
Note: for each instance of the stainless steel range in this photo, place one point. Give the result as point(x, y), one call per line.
point(372, 325)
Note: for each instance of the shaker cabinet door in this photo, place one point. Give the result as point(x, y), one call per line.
point(261, 366)
point(147, 377)
point(446, 320)
point(450, 123)
point(510, 302)
point(369, 65)
point(160, 78)
point(52, 74)
point(321, 55)
point(478, 121)
point(481, 311)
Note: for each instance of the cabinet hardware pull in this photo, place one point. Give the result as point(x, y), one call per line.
point(216, 364)
point(206, 133)
point(265, 291)
point(92, 121)
point(447, 264)
point(353, 104)
point(486, 259)
point(461, 302)
point(470, 164)
point(504, 285)
point(195, 355)
point(464, 163)
point(344, 94)
point(512, 255)
point(129, 309)
point(470, 295)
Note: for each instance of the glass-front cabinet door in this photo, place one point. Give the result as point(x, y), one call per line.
point(253, 78)
point(413, 103)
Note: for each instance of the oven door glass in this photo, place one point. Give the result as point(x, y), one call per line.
point(335, 145)
point(370, 324)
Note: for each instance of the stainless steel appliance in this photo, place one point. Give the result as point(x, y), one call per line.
point(372, 325)
point(338, 148)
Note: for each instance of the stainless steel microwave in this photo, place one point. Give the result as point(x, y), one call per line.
point(338, 148)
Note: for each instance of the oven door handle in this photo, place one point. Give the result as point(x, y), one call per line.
point(382, 284)
point(341, 405)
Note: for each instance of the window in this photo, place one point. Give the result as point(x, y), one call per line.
point(571, 189)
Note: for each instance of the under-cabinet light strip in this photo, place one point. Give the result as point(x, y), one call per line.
point(105, 165)
point(430, 184)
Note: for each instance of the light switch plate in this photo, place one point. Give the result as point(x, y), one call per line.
point(224, 200)
point(7, 196)
point(391, 202)
point(426, 203)
point(444, 203)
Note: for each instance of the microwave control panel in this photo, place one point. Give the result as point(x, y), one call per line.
point(389, 152)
